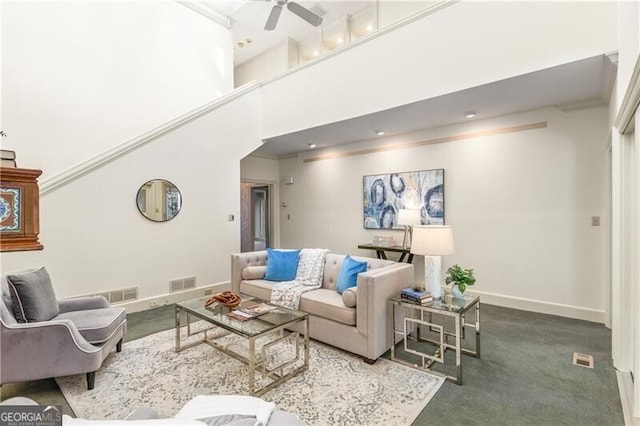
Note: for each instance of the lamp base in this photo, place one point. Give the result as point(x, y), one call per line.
point(433, 275)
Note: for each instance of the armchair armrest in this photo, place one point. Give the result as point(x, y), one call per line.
point(51, 348)
point(82, 303)
point(375, 288)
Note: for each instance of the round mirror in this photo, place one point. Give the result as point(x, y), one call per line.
point(159, 200)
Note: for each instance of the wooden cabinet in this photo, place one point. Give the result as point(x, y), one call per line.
point(19, 209)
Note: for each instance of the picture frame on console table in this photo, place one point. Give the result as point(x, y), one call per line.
point(385, 194)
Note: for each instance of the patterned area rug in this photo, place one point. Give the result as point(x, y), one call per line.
point(339, 388)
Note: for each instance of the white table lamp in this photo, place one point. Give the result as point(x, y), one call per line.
point(432, 241)
point(408, 218)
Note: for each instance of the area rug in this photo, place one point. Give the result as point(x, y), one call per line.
point(339, 388)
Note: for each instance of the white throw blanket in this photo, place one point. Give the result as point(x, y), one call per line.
point(308, 277)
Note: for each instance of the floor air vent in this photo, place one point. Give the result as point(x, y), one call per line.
point(582, 360)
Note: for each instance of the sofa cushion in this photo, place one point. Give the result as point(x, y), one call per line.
point(328, 304)
point(96, 325)
point(282, 265)
point(32, 296)
point(253, 272)
point(350, 297)
point(257, 288)
point(349, 273)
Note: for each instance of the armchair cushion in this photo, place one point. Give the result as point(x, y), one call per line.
point(32, 296)
point(96, 325)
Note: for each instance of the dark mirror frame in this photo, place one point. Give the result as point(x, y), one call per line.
point(168, 206)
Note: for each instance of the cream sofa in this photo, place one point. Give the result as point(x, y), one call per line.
point(363, 329)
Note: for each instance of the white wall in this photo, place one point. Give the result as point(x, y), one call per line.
point(268, 64)
point(520, 205)
point(259, 169)
point(461, 46)
point(390, 12)
point(95, 239)
point(81, 77)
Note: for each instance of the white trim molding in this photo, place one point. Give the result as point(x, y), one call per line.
point(208, 13)
point(630, 101)
point(625, 387)
point(69, 175)
point(169, 298)
point(540, 306)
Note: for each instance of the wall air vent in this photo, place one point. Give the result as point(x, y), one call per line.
point(180, 284)
point(120, 295)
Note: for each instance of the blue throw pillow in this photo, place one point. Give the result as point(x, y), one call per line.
point(348, 275)
point(282, 265)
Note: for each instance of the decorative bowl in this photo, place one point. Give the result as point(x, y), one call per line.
point(228, 299)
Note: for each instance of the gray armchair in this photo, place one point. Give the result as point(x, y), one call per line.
point(75, 341)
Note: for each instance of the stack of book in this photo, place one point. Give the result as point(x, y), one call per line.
point(416, 296)
point(7, 158)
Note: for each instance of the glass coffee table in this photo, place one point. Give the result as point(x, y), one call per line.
point(274, 326)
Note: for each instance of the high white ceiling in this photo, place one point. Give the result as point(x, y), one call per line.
point(577, 84)
point(248, 19)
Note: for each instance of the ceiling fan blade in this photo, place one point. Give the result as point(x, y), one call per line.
point(304, 13)
point(272, 20)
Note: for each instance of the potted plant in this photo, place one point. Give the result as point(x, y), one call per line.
point(460, 278)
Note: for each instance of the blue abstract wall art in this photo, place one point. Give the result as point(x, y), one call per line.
point(384, 195)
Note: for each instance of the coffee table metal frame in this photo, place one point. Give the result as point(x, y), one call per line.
point(251, 330)
point(423, 316)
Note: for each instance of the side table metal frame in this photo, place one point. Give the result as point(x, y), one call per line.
point(442, 343)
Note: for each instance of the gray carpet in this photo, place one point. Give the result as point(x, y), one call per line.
point(525, 376)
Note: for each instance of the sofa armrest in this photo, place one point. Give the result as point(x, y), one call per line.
point(239, 261)
point(375, 288)
point(83, 303)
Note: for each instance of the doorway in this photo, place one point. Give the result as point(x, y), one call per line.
point(256, 216)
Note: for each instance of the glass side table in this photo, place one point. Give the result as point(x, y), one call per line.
point(429, 331)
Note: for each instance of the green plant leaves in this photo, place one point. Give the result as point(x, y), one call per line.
point(460, 277)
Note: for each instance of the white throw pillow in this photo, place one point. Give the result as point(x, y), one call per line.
point(350, 297)
point(254, 272)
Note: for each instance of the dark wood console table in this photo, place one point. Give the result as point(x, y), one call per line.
point(380, 251)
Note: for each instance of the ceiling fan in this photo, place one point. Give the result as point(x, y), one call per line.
point(304, 13)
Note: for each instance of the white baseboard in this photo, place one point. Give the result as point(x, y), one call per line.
point(540, 306)
point(169, 298)
point(625, 387)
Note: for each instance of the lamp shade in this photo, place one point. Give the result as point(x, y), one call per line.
point(409, 217)
point(432, 240)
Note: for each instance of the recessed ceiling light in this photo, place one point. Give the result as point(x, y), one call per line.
point(470, 114)
point(340, 40)
point(369, 27)
point(316, 53)
point(312, 145)
point(379, 132)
